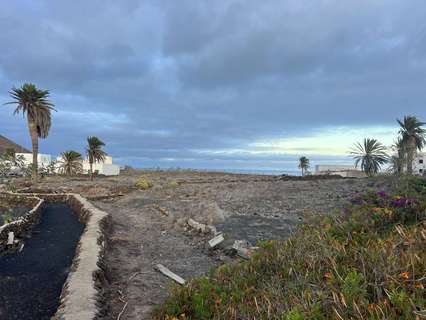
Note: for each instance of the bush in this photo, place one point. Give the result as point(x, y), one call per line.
point(173, 184)
point(143, 184)
point(367, 263)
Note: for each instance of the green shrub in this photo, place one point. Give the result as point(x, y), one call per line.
point(173, 184)
point(143, 184)
point(368, 263)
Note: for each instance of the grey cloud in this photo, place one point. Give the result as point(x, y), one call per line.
point(160, 79)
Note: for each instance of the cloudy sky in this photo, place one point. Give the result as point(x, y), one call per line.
point(217, 84)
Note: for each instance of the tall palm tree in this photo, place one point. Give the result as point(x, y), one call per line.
point(371, 154)
point(303, 164)
point(413, 137)
point(33, 103)
point(71, 163)
point(94, 152)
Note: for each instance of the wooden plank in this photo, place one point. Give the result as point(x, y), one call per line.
point(170, 274)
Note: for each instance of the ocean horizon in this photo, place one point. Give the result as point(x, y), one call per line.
point(272, 172)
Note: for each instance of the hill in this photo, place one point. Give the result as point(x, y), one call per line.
point(6, 143)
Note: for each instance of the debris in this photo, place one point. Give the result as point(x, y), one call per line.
point(122, 310)
point(169, 274)
point(216, 240)
point(196, 225)
point(162, 210)
point(201, 227)
point(243, 248)
point(10, 238)
point(21, 247)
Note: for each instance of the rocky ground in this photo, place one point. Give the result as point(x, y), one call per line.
point(150, 227)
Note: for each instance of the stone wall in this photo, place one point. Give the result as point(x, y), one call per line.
point(82, 295)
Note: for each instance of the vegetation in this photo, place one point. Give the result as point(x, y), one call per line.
point(33, 103)
point(303, 164)
point(94, 152)
point(71, 163)
point(371, 154)
point(398, 161)
point(6, 217)
point(367, 263)
point(10, 163)
point(143, 184)
point(412, 138)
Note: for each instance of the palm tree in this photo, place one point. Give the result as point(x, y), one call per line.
point(395, 164)
point(413, 137)
point(303, 164)
point(94, 152)
point(399, 160)
point(33, 103)
point(372, 155)
point(71, 162)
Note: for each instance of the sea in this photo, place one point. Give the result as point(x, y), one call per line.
point(273, 172)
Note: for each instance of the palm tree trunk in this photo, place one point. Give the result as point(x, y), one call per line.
point(410, 155)
point(91, 171)
point(32, 126)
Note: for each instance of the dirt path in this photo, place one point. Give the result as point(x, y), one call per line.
point(141, 238)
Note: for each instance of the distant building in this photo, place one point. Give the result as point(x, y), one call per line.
point(43, 159)
point(106, 167)
point(347, 171)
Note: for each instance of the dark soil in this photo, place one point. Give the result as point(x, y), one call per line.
point(31, 281)
point(255, 228)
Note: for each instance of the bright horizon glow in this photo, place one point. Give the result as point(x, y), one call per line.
point(329, 141)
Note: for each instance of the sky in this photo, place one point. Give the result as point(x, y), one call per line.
point(216, 84)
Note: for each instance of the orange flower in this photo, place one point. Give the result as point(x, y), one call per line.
point(376, 209)
point(419, 286)
point(405, 275)
point(328, 275)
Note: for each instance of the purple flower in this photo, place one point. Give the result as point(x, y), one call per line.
point(382, 194)
point(403, 202)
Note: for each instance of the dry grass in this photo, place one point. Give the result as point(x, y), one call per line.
point(367, 263)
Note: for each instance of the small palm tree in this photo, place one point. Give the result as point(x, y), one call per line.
point(303, 164)
point(413, 138)
point(71, 163)
point(94, 152)
point(371, 154)
point(34, 103)
point(398, 161)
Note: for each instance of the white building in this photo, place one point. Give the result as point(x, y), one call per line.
point(106, 167)
point(419, 164)
point(43, 159)
point(340, 170)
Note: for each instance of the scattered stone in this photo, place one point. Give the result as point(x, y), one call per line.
point(10, 238)
point(216, 240)
point(201, 227)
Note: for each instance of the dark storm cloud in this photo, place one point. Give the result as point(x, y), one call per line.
point(166, 80)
